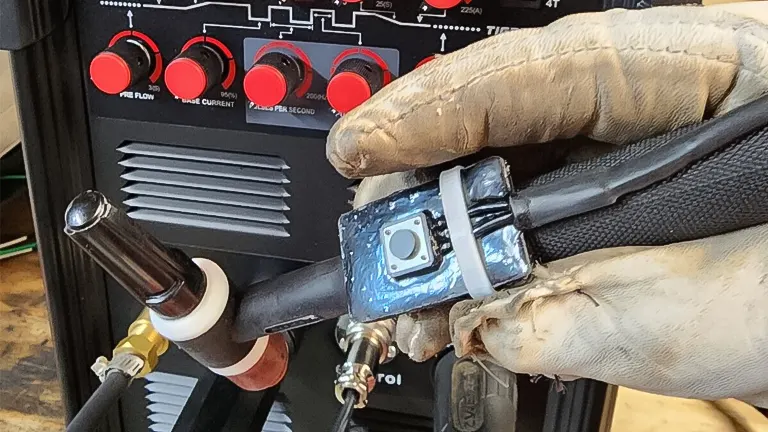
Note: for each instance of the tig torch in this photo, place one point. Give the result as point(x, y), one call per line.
point(190, 300)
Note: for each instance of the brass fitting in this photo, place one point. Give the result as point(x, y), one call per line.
point(143, 341)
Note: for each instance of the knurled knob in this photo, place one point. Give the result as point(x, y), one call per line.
point(195, 71)
point(273, 78)
point(354, 81)
point(120, 66)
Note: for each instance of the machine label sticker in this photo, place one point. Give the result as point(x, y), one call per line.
point(209, 102)
point(286, 109)
point(137, 95)
point(494, 30)
point(390, 379)
point(218, 103)
point(315, 96)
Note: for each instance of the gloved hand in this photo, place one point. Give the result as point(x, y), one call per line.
point(688, 319)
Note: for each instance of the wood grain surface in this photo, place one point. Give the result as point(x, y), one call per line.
point(30, 396)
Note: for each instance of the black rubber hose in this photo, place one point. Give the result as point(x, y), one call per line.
point(345, 413)
point(97, 406)
point(601, 186)
point(302, 297)
point(723, 192)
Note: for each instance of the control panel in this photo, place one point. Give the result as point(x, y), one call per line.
point(208, 120)
point(296, 63)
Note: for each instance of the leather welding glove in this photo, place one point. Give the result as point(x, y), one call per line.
point(687, 319)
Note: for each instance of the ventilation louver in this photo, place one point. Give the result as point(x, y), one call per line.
point(277, 419)
point(166, 396)
point(212, 189)
point(373, 420)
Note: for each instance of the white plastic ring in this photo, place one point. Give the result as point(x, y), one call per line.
point(468, 255)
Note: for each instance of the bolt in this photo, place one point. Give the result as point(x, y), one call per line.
point(394, 267)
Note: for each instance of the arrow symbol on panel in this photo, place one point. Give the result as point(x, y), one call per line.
point(130, 19)
point(419, 18)
point(442, 42)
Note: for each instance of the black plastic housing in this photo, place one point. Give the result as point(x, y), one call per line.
point(24, 22)
point(72, 134)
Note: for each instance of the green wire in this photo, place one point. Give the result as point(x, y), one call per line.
point(13, 177)
point(18, 248)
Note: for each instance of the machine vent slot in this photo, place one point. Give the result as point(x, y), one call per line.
point(167, 394)
point(277, 419)
point(210, 189)
point(374, 420)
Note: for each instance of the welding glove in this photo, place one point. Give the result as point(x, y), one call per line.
point(688, 319)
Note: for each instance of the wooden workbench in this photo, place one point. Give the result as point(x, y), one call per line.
point(30, 399)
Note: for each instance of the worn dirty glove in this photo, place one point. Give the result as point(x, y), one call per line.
point(688, 319)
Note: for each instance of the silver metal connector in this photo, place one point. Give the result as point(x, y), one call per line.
point(367, 346)
point(128, 364)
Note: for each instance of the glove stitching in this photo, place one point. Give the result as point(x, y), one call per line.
point(589, 25)
point(725, 59)
point(451, 92)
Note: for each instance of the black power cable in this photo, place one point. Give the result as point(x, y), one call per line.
point(100, 402)
point(345, 413)
point(500, 205)
point(486, 227)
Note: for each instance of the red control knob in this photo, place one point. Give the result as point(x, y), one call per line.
point(354, 81)
point(195, 71)
point(272, 78)
point(443, 4)
point(121, 66)
point(424, 61)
